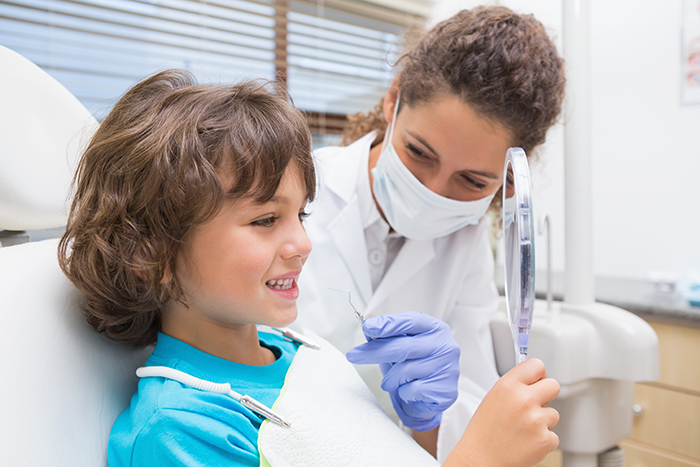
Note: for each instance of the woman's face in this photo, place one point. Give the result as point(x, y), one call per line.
point(451, 149)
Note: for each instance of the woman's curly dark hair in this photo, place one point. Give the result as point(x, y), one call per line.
point(163, 161)
point(503, 64)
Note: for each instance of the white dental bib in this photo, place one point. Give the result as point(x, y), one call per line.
point(335, 419)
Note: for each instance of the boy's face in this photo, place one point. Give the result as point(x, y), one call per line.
point(241, 267)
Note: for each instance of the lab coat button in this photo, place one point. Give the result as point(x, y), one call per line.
point(376, 257)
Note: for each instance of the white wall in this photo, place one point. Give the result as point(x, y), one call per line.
point(645, 144)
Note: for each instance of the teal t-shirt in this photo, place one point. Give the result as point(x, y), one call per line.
point(169, 424)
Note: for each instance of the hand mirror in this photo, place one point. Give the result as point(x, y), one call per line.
point(518, 237)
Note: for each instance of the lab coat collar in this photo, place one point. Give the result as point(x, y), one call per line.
point(412, 257)
point(349, 237)
point(342, 179)
point(346, 228)
point(348, 233)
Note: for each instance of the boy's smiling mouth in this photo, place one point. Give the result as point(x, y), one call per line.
point(285, 286)
point(281, 284)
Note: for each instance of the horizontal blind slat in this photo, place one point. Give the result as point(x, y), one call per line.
point(335, 54)
point(140, 31)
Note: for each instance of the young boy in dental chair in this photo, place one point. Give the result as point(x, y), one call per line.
point(186, 231)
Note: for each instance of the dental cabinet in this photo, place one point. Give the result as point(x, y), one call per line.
point(666, 427)
point(666, 424)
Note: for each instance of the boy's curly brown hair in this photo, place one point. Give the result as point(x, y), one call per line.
point(163, 161)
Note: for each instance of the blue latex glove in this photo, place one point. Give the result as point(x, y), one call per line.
point(419, 359)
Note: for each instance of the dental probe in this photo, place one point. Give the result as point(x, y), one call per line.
point(358, 315)
point(204, 385)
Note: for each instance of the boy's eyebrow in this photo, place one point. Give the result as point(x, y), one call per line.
point(277, 199)
point(476, 172)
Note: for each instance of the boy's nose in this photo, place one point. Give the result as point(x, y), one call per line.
point(299, 244)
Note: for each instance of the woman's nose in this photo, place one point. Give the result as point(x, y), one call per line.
point(438, 183)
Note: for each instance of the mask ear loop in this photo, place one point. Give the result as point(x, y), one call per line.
point(390, 132)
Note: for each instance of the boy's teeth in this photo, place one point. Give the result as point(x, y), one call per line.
point(281, 284)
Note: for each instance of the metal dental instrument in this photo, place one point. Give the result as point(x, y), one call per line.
point(220, 388)
point(295, 336)
point(360, 317)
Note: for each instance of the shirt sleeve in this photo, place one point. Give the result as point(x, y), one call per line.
point(176, 437)
point(470, 322)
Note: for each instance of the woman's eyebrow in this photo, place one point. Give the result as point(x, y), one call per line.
point(423, 142)
point(475, 172)
point(484, 174)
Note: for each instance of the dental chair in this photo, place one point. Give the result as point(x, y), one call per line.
point(62, 384)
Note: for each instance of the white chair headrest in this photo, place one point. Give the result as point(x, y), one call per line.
point(42, 129)
point(63, 384)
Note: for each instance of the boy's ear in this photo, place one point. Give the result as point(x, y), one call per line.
point(390, 100)
point(167, 275)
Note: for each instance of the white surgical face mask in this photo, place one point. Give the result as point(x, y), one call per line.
point(508, 212)
point(410, 208)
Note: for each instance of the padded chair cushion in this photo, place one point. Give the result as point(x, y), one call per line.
point(63, 384)
point(42, 129)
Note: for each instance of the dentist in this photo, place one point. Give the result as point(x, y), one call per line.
point(399, 220)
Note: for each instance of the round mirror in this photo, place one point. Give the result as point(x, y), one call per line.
point(518, 237)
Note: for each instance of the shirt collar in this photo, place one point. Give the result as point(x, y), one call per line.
point(368, 208)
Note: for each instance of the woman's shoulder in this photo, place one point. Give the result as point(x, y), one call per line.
point(356, 148)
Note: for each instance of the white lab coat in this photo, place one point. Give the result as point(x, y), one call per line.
point(450, 278)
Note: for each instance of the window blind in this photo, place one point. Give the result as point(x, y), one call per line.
point(333, 55)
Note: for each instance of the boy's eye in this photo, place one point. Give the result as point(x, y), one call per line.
point(266, 222)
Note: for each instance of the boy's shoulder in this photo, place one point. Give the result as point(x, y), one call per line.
point(159, 399)
point(175, 426)
point(166, 417)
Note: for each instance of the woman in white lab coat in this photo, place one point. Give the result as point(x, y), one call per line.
point(399, 217)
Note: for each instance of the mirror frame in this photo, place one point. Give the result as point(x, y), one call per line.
point(518, 238)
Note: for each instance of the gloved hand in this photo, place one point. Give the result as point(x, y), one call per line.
point(419, 359)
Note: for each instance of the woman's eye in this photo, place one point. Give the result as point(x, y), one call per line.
point(303, 215)
point(417, 153)
point(266, 222)
point(475, 183)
